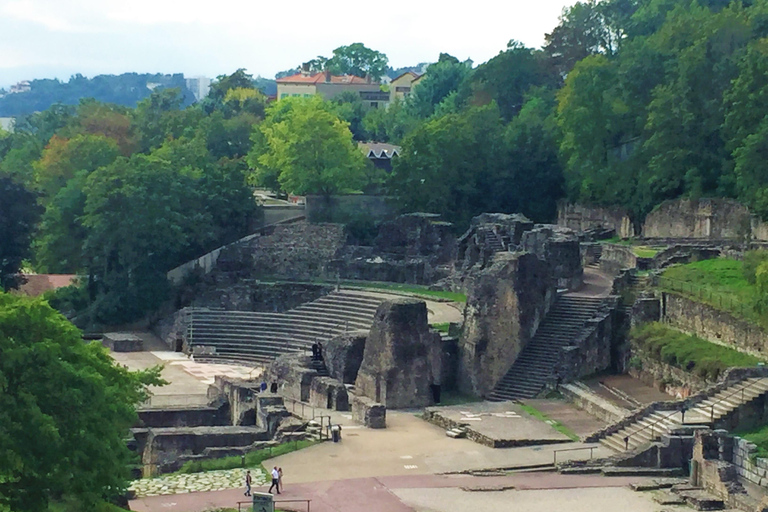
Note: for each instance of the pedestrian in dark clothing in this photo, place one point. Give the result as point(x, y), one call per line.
point(275, 480)
point(273, 388)
point(319, 351)
point(248, 482)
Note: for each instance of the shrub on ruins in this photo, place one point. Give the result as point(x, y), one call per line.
point(65, 411)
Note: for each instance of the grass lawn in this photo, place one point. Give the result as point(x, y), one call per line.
point(718, 282)
point(422, 291)
point(759, 436)
point(642, 251)
point(532, 411)
point(442, 327)
point(407, 288)
point(690, 353)
point(70, 505)
point(252, 459)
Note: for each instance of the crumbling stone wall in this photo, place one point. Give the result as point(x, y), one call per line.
point(344, 354)
point(718, 219)
point(584, 218)
point(476, 246)
point(328, 393)
point(559, 247)
point(715, 325)
point(415, 248)
point(402, 357)
point(593, 351)
point(293, 375)
point(505, 304)
point(616, 258)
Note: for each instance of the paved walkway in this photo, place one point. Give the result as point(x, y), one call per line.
point(596, 284)
point(429, 493)
point(577, 420)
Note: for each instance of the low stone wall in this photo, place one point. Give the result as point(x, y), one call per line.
point(664, 377)
point(190, 417)
point(581, 217)
point(345, 208)
point(714, 325)
point(328, 393)
point(617, 257)
point(592, 403)
point(122, 342)
point(705, 219)
point(730, 377)
point(368, 413)
point(749, 467)
point(293, 375)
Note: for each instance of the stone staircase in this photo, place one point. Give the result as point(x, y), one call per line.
point(652, 425)
point(536, 363)
point(217, 335)
point(492, 240)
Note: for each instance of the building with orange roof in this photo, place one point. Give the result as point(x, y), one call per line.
point(306, 84)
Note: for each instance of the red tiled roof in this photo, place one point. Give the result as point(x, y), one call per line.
point(37, 284)
point(319, 78)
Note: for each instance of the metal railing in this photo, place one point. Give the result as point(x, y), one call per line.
point(736, 392)
point(590, 448)
point(724, 301)
point(652, 426)
point(247, 506)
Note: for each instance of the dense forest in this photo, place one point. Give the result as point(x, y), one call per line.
point(629, 103)
point(126, 90)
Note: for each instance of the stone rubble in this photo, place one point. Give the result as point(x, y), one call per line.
point(197, 482)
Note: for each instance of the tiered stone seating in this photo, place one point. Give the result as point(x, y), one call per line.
point(260, 337)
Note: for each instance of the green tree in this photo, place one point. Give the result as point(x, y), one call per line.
point(449, 165)
point(307, 149)
point(18, 215)
point(446, 76)
point(359, 60)
point(507, 77)
point(390, 124)
point(65, 411)
point(142, 216)
point(63, 158)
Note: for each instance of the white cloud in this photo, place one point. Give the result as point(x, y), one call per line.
point(264, 36)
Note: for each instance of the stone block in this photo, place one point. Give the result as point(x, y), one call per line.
point(369, 413)
point(505, 305)
point(344, 354)
point(402, 358)
point(122, 342)
point(293, 376)
point(328, 393)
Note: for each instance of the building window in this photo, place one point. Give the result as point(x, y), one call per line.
point(374, 104)
point(284, 95)
point(307, 95)
point(403, 89)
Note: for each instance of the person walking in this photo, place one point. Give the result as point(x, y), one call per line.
point(280, 479)
point(248, 482)
point(275, 480)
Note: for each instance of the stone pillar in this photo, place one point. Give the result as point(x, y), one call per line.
point(402, 357)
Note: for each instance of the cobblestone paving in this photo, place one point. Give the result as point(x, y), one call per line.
point(196, 482)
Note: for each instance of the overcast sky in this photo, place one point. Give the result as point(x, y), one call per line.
point(58, 38)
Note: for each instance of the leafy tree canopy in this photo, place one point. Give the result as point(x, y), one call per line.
point(359, 60)
point(305, 148)
point(65, 410)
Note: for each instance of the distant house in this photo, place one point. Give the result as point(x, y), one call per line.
point(23, 86)
point(305, 84)
point(400, 87)
point(380, 154)
point(199, 85)
point(38, 284)
point(7, 123)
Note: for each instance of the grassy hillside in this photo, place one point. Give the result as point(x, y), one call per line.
point(720, 282)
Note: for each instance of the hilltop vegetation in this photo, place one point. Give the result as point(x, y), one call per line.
point(629, 103)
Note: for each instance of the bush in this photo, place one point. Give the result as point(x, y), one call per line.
point(752, 260)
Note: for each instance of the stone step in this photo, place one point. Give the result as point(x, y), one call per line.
point(702, 500)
